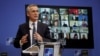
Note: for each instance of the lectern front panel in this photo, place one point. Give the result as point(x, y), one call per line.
point(48, 51)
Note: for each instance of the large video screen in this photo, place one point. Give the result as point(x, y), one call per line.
point(72, 24)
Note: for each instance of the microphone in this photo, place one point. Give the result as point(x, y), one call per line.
point(29, 28)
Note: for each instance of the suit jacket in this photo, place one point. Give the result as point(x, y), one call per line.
point(42, 29)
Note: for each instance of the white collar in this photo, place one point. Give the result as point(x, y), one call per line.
point(31, 22)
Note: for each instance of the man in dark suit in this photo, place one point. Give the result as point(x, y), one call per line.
point(25, 36)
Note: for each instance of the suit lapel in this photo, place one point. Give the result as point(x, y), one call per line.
point(28, 31)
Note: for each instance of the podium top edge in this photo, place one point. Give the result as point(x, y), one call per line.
point(51, 43)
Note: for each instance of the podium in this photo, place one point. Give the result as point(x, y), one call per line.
point(54, 48)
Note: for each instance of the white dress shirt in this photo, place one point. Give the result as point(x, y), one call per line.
point(31, 29)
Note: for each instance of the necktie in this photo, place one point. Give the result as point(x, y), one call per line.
point(34, 41)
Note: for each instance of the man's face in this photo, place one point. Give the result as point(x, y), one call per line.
point(33, 13)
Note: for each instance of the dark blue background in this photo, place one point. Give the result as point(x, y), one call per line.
point(12, 13)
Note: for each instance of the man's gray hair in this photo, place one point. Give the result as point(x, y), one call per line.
point(29, 6)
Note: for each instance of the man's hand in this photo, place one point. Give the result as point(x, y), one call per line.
point(38, 37)
point(24, 39)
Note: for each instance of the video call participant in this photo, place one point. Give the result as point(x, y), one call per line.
point(45, 12)
point(56, 23)
point(24, 35)
point(75, 36)
point(83, 37)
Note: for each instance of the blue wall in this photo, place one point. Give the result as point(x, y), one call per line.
point(12, 13)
